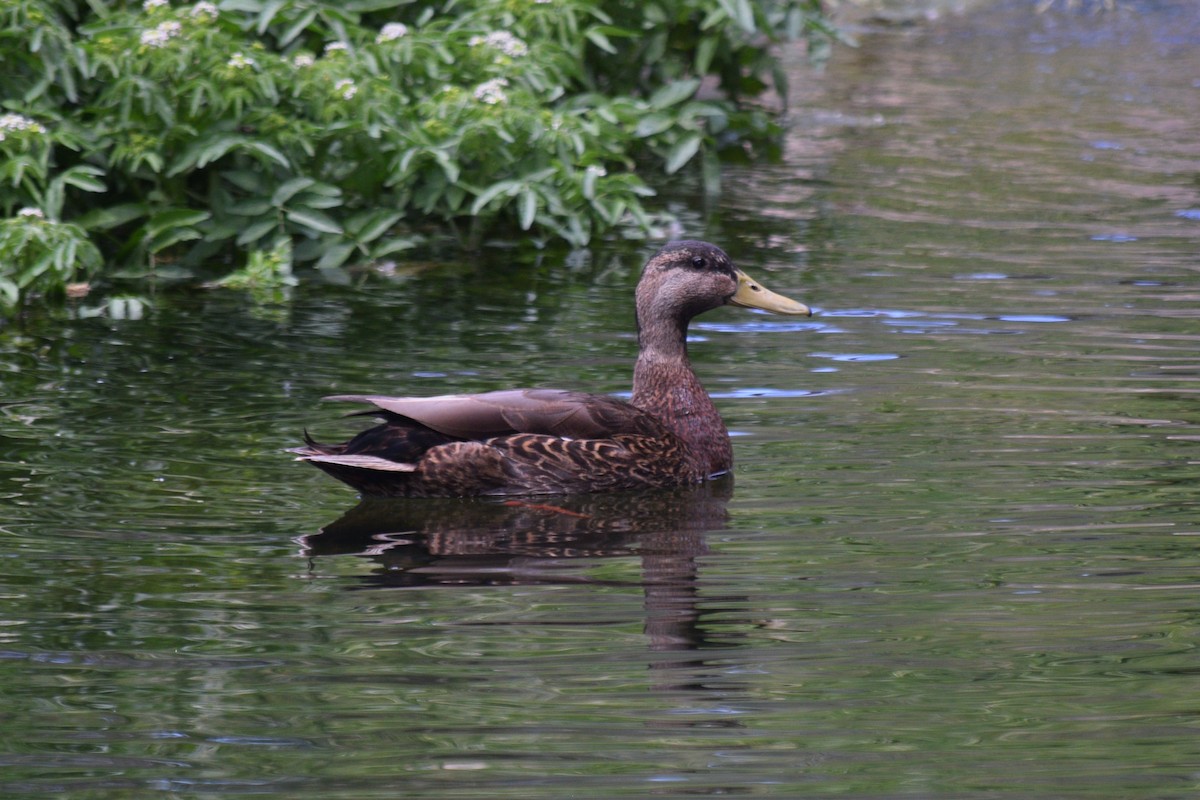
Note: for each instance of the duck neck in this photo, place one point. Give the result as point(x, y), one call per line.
point(665, 385)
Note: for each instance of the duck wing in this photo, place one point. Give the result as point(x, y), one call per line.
point(520, 441)
point(549, 412)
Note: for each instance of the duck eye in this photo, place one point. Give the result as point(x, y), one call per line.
point(698, 262)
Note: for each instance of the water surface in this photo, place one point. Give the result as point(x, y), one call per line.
point(959, 558)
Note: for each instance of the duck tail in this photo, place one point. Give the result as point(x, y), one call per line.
point(314, 448)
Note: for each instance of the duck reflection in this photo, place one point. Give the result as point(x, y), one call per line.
point(477, 541)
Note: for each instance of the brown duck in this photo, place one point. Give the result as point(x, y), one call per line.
point(549, 441)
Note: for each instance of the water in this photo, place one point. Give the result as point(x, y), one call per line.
point(959, 559)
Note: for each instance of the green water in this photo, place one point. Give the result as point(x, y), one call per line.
point(959, 558)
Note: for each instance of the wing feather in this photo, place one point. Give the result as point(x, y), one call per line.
point(552, 412)
point(361, 462)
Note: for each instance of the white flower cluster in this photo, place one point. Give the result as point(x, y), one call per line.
point(240, 61)
point(391, 32)
point(346, 88)
point(503, 41)
point(492, 92)
point(205, 10)
point(302, 60)
point(336, 47)
point(202, 9)
point(159, 36)
point(31, 213)
point(15, 123)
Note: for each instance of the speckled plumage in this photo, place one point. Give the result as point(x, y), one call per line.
point(548, 441)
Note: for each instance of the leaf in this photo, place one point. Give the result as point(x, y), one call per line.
point(455, 195)
point(614, 211)
point(605, 113)
point(313, 200)
point(212, 149)
point(364, 6)
point(527, 202)
point(674, 93)
point(103, 219)
point(741, 12)
point(713, 18)
point(297, 27)
point(164, 239)
point(203, 152)
point(313, 220)
point(682, 152)
point(449, 168)
point(244, 179)
point(271, 153)
point(254, 232)
point(253, 207)
point(174, 218)
point(600, 40)
point(307, 250)
point(406, 158)
point(389, 246)
point(9, 291)
point(335, 256)
point(492, 192)
point(269, 10)
point(375, 225)
point(86, 177)
point(219, 230)
point(288, 189)
point(653, 124)
point(705, 52)
point(64, 257)
point(325, 189)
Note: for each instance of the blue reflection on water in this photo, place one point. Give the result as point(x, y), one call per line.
point(857, 357)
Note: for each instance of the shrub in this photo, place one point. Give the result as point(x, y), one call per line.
point(333, 132)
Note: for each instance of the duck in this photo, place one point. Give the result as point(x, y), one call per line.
point(540, 441)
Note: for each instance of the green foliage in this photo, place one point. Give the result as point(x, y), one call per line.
point(267, 274)
point(41, 256)
point(184, 133)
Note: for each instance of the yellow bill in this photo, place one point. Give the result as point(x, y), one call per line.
point(752, 294)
